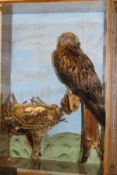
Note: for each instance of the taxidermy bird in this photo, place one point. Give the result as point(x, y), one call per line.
point(75, 69)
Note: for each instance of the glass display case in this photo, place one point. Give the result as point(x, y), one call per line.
point(47, 126)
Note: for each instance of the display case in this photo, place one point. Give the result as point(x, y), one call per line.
point(46, 127)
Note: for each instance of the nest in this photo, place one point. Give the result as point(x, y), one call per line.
point(36, 117)
point(33, 116)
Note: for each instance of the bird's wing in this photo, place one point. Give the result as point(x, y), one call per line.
point(60, 68)
point(92, 92)
point(79, 75)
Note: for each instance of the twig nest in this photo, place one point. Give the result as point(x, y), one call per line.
point(33, 116)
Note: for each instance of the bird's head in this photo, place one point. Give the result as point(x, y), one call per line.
point(68, 38)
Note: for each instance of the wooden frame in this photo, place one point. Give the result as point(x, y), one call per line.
point(34, 1)
point(110, 167)
point(110, 162)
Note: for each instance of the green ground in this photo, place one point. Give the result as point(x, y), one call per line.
point(60, 147)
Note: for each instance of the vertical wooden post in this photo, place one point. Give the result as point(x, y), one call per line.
point(0, 56)
point(90, 137)
point(5, 73)
point(110, 161)
point(6, 51)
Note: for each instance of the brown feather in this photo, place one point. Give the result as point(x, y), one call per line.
point(76, 71)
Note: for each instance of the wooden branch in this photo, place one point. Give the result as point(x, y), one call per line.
point(90, 137)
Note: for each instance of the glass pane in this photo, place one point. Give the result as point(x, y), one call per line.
point(43, 120)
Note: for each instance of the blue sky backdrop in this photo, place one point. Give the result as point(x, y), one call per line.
point(34, 39)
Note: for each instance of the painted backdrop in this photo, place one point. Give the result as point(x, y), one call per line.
point(34, 39)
